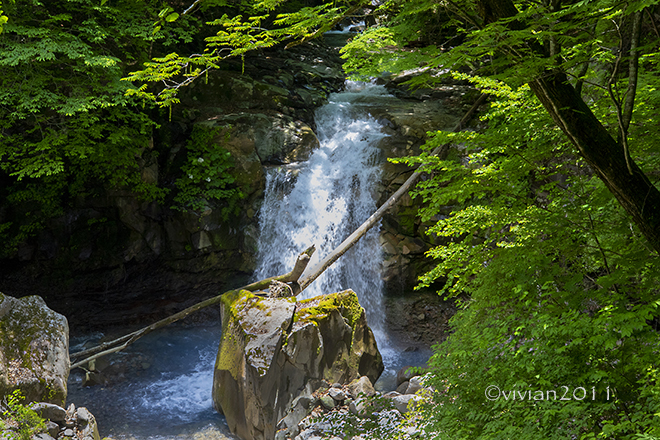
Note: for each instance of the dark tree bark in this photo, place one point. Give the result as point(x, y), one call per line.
point(635, 192)
point(609, 159)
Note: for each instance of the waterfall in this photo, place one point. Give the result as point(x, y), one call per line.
point(166, 391)
point(325, 199)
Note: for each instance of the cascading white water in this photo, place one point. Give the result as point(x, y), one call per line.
point(161, 387)
point(325, 199)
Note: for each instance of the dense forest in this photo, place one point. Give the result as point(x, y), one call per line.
point(551, 246)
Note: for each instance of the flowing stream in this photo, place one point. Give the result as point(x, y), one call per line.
point(322, 201)
point(165, 379)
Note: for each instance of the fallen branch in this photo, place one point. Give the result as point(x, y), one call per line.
point(333, 256)
point(124, 341)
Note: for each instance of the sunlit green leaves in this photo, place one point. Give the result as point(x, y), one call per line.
point(247, 27)
point(67, 128)
point(558, 289)
point(241, 35)
point(205, 175)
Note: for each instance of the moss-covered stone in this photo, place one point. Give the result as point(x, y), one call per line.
point(34, 350)
point(268, 355)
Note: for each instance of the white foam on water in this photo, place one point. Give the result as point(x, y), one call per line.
point(167, 388)
point(324, 200)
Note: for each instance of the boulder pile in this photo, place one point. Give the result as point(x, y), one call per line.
point(349, 411)
point(72, 423)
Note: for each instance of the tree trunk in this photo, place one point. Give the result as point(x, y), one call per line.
point(635, 192)
point(609, 159)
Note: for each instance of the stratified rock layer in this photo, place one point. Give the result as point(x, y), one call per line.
point(34, 350)
point(274, 349)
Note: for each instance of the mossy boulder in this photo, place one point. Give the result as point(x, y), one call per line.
point(34, 350)
point(275, 349)
point(347, 348)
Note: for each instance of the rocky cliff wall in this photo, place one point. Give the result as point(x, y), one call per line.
point(111, 258)
point(117, 259)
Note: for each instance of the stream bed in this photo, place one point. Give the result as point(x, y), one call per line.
point(158, 388)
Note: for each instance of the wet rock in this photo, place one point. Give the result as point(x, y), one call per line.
point(401, 389)
point(49, 411)
point(34, 350)
point(276, 139)
point(404, 374)
point(420, 320)
point(268, 356)
point(87, 427)
point(245, 387)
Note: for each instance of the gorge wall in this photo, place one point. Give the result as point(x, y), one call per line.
point(116, 258)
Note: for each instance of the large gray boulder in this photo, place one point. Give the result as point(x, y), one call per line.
point(34, 350)
point(274, 349)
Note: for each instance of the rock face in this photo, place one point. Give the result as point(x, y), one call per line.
point(34, 350)
point(274, 349)
point(128, 251)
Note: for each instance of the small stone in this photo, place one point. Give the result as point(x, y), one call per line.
point(336, 385)
point(68, 432)
point(337, 394)
point(49, 411)
point(405, 402)
point(42, 436)
point(52, 428)
point(401, 389)
point(361, 386)
point(412, 431)
point(82, 417)
point(391, 395)
point(89, 429)
point(307, 434)
point(327, 402)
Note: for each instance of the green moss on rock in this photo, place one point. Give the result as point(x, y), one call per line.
point(318, 308)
